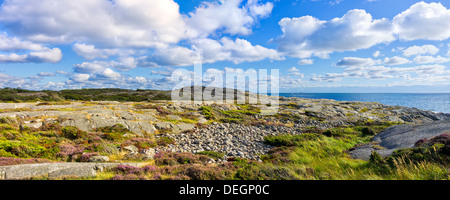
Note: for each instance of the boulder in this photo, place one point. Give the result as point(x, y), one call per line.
point(131, 149)
point(178, 128)
point(55, 170)
point(148, 154)
point(400, 136)
point(99, 159)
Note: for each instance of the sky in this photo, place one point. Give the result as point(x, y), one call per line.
point(317, 45)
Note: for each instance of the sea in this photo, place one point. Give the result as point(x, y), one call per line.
point(437, 102)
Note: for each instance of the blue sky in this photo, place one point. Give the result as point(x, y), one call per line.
point(317, 45)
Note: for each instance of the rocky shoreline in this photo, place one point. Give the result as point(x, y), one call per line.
point(232, 129)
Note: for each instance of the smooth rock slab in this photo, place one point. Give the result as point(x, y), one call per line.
point(401, 136)
point(55, 170)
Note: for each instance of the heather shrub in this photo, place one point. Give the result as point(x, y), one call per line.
point(117, 128)
point(113, 136)
point(86, 156)
point(170, 158)
point(143, 143)
point(17, 161)
point(67, 151)
point(6, 127)
point(278, 155)
point(368, 131)
point(105, 148)
point(127, 169)
point(165, 141)
point(212, 154)
point(71, 132)
point(128, 177)
point(50, 127)
point(8, 120)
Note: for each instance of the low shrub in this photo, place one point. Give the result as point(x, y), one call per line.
point(165, 141)
point(368, 131)
point(212, 154)
point(72, 132)
point(116, 128)
point(18, 161)
point(171, 158)
point(86, 156)
point(207, 112)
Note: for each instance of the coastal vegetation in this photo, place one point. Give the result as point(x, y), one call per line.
point(306, 140)
point(17, 95)
point(316, 155)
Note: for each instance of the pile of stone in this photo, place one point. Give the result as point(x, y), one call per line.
point(234, 140)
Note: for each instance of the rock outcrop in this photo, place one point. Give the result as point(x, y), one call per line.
point(400, 136)
point(55, 170)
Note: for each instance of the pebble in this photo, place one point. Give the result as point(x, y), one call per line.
point(234, 140)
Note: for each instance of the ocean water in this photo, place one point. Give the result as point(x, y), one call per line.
point(438, 102)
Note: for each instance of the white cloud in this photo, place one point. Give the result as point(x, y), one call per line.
point(293, 69)
point(12, 58)
point(226, 15)
point(243, 51)
point(48, 55)
point(45, 74)
point(420, 50)
point(80, 77)
point(34, 52)
point(430, 21)
point(305, 62)
point(430, 59)
point(376, 54)
point(355, 61)
point(171, 56)
point(62, 72)
point(89, 52)
point(137, 23)
point(108, 74)
point(382, 72)
point(307, 36)
point(51, 55)
point(396, 60)
point(123, 64)
point(13, 44)
point(237, 51)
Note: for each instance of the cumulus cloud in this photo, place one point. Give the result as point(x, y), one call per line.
point(308, 36)
point(382, 72)
point(8, 43)
point(236, 51)
point(430, 59)
point(230, 16)
point(11, 81)
point(396, 60)
point(123, 64)
point(172, 56)
point(138, 23)
point(430, 21)
point(48, 55)
point(355, 61)
point(420, 50)
point(90, 52)
point(293, 69)
point(34, 53)
point(305, 62)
